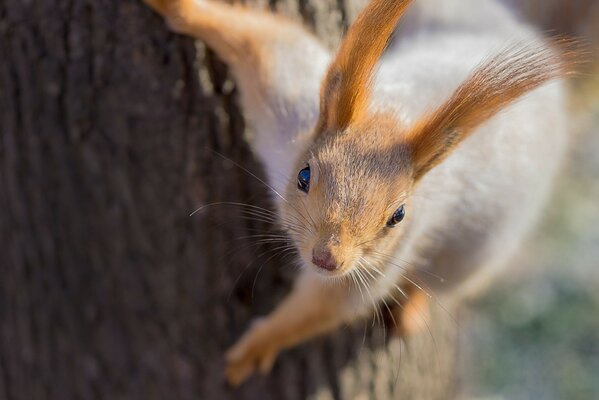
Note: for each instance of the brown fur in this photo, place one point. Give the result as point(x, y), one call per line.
point(346, 88)
point(362, 175)
point(234, 31)
point(412, 315)
point(497, 83)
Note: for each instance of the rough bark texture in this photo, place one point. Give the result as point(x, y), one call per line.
point(108, 289)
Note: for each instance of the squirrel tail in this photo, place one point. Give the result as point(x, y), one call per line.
point(574, 18)
point(571, 19)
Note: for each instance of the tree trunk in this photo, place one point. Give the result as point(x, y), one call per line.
point(108, 288)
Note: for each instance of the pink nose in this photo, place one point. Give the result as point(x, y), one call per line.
point(324, 259)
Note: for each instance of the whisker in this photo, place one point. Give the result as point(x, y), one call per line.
point(423, 319)
point(397, 330)
point(248, 172)
point(264, 263)
point(378, 303)
point(229, 203)
point(275, 218)
point(261, 181)
point(357, 284)
point(399, 365)
point(421, 286)
point(374, 304)
point(394, 258)
point(260, 214)
point(250, 263)
point(245, 268)
point(259, 235)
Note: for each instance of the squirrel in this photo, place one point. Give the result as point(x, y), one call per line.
point(402, 158)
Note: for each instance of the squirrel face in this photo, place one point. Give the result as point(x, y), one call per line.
point(350, 196)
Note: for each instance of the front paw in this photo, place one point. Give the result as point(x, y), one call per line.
point(255, 350)
point(178, 14)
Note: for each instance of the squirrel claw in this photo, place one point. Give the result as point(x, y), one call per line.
point(254, 351)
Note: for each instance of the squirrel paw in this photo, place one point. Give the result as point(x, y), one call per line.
point(255, 350)
point(172, 11)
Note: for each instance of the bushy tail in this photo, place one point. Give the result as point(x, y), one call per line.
point(577, 19)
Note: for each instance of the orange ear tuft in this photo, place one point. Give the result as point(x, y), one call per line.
point(345, 90)
point(514, 72)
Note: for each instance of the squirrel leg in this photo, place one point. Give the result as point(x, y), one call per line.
point(234, 32)
point(313, 308)
point(277, 64)
point(411, 314)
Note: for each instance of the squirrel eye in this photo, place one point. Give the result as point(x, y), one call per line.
point(397, 216)
point(303, 179)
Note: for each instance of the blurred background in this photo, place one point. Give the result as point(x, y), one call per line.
point(536, 334)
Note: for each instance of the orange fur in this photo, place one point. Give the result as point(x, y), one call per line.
point(320, 308)
point(346, 88)
point(411, 315)
point(232, 30)
point(496, 84)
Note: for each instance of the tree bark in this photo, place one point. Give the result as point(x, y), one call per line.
point(108, 288)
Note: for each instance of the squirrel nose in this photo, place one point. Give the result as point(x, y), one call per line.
point(324, 259)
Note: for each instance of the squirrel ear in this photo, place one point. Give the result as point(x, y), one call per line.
point(346, 87)
point(514, 72)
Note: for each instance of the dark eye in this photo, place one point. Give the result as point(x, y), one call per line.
point(397, 216)
point(303, 179)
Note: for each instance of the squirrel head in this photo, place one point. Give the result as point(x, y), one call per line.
point(350, 195)
point(349, 203)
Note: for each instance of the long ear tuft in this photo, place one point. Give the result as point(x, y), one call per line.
point(346, 88)
point(498, 82)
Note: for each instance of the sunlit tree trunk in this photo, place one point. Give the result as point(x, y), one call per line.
point(108, 288)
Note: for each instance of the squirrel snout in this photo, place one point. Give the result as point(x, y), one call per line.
point(324, 259)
